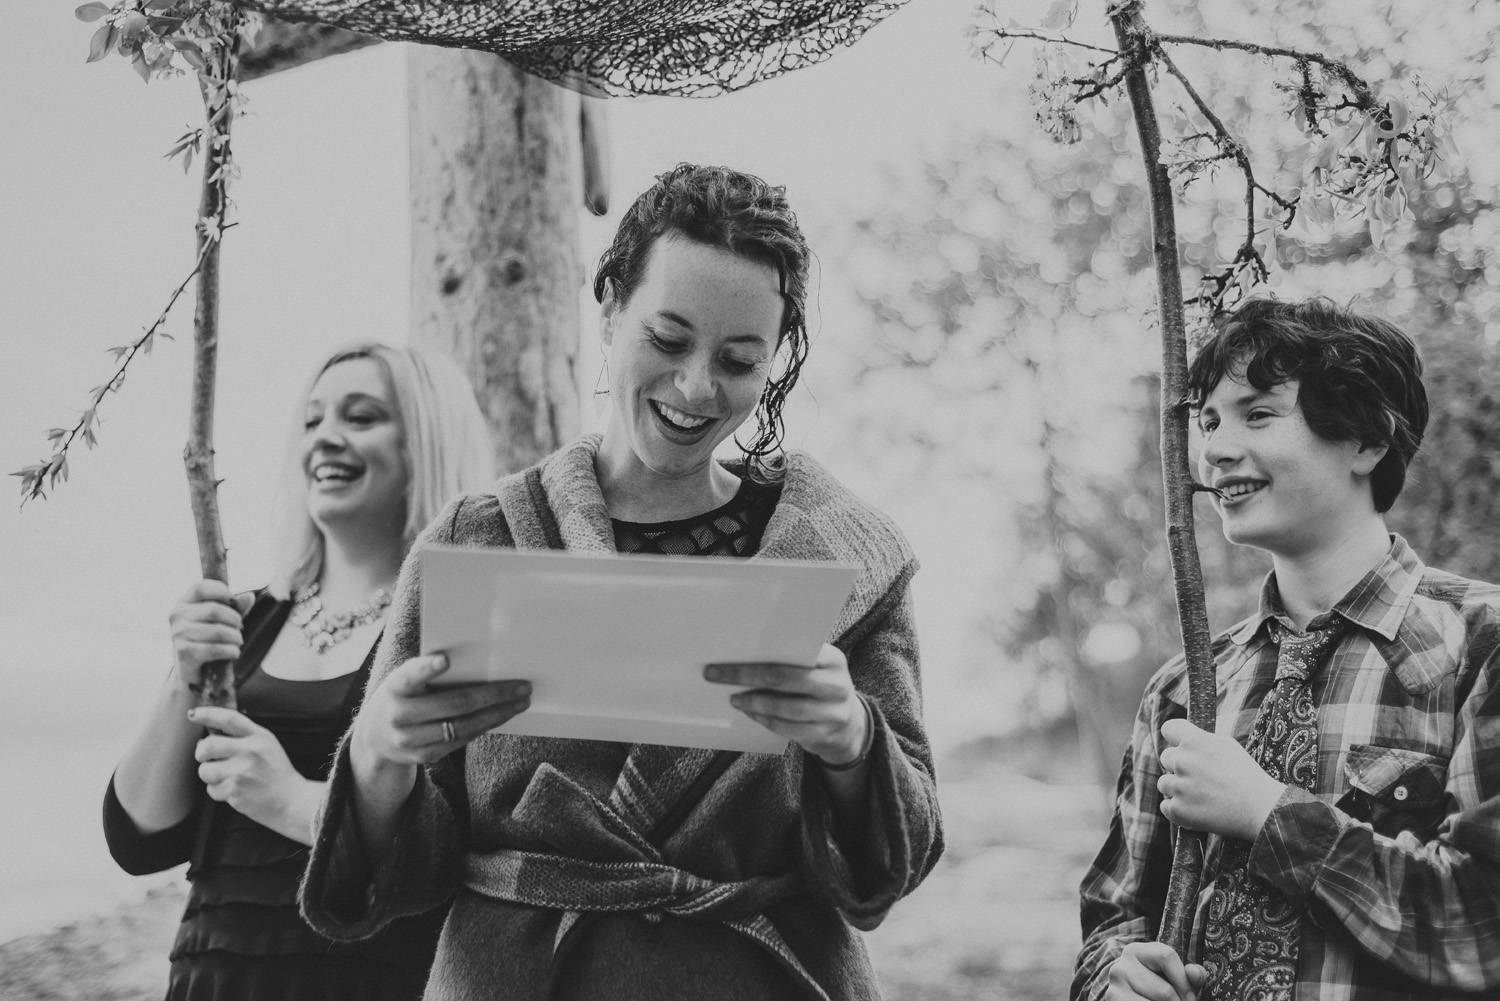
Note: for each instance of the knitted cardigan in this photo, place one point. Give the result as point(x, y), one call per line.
point(525, 833)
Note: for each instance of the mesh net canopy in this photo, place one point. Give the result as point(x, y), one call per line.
point(696, 48)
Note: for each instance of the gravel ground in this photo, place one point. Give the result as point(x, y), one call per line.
point(997, 919)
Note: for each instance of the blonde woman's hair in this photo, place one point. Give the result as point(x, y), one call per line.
point(444, 442)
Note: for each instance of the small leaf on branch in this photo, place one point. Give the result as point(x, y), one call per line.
point(1446, 148)
point(1410, 181)
point(132, 28)
point(1399, 114)
point(1245, 280)
point(1060, 15)
point(139, 64)
point(89, 438)
point(100, 44)
point(1327, 153)
point(190, 52)
point(91, 12)
point(1393, 199)
point(56, 433)
point(29, 477)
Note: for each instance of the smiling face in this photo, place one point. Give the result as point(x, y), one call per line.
point(352, 462)
point(689, 356)
point(1286, 490)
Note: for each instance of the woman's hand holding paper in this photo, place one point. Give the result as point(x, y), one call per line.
point(408, 721)
point(405, 723)
point(816, 707)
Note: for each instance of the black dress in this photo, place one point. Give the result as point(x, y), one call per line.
point(241, 937)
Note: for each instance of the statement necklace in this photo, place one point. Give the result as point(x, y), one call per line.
point(321, 631)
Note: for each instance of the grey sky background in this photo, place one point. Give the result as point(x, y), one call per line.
point(96, 229)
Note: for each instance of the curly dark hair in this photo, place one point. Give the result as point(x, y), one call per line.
point(743, 214)
point(1359, 377)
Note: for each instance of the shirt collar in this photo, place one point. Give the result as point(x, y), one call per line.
point(1378, 602)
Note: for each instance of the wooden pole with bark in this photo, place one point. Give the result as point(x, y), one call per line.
point(217, 687)
point(1177, 479)
point(495, 276)
point(1369, 178)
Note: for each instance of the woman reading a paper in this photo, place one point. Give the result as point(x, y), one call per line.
point(583, 869)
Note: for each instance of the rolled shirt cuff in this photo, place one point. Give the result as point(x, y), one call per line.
point(1293, 846)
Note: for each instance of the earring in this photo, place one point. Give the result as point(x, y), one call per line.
point(601, 388)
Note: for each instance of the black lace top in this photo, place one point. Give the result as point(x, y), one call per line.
point(731, 530)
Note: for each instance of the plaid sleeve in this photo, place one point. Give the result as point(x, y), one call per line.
point(1428, 910)
point(1126, 886)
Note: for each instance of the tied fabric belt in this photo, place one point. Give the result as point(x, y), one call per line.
point(630, 875)
point(651, 888)
point(569, 884)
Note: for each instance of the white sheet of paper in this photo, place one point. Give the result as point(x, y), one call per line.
point(614, 646)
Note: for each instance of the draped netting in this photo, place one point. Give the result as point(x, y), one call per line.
point(697, 48)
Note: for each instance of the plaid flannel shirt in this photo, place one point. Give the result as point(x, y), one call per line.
point(1395, 856)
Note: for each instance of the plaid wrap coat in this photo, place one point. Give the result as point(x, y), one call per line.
point(756, 891)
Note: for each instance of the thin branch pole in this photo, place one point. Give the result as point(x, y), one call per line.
point(1055, 39)
point(198, 456)
point(1226, 141)
point(1364, 97)
point(1187, 575)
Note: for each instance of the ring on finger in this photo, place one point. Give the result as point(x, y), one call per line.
point(450, 732)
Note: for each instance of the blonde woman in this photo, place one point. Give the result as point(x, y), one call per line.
point(384, 438)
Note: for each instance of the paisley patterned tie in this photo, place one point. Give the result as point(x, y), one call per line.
point(1250, 945)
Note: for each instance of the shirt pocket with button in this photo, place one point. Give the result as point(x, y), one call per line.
point(1395, 790)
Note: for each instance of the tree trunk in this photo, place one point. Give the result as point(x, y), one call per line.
point(495, 267)
point(1177, 478)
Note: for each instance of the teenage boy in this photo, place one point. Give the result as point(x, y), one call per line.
point(1351, 790)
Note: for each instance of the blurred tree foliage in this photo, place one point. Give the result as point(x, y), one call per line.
point(1010, 291)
